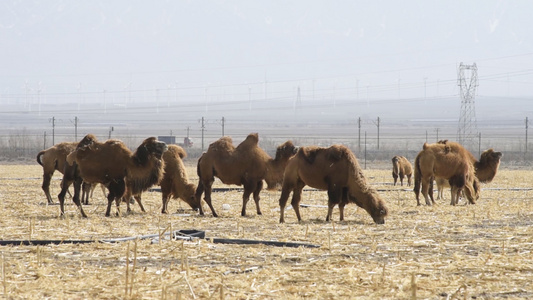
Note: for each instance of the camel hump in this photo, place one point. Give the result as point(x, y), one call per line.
point(425, 146)
point(177, 150)
point(252, 140)
point(308, 153)
point(224, 144)
point(337, 152)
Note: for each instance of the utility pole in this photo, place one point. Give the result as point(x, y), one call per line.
point(359, 139)
point(75, 128)
point(111, 129)
point(223, 126)
point(44, 142)
point(527, 125)
point(377, 124)
point(203, 129)
point(53, 120)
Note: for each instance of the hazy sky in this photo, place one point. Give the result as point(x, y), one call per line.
point(373, 49)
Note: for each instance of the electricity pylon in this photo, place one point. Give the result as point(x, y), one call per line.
point(467, 81)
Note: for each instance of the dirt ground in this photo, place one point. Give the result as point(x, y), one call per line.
point(481, 251)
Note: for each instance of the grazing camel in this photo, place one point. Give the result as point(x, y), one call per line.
point(336, 170)
point(124, 173)
point(175, 181)
point(454, 165)
point(246, 165)
point(485, 168)
point(52, 159)
point(401, 167)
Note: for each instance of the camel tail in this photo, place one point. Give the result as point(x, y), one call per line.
point(39, 157)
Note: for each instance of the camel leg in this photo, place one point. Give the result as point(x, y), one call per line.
point(249, 187)
point(408, 180)
point(425, 188)
point(430, 190)
point(285, 192)
point(401, 178)
point(64, 188)
point(78, 182)
point(395, 178)
point(207, 198)
point(46, 187)
point(165, 198)
point(86, 190)
point(334, 198)
point(116, 190)
point(257, 191)
point(296, 198)
point(343, 203)
point(138, 198)
point(198, 197)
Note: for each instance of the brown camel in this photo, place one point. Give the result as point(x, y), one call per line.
point(175, 181)
point(52, 159)
point(124, 173)
point(454, 165)
point(336, 170)
point(246, 165)
point(485, 168)
point(401, 167)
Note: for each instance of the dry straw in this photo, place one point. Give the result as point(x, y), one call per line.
point(482, 251)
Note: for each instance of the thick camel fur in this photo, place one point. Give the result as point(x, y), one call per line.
point(451, 163)
point(401, 167)
point(175, 181)
point(247, 165)
point(485, 168)
point(52, 159)
point(336, 170)
point(124, 173)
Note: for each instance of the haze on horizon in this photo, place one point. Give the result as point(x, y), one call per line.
point(394, 53)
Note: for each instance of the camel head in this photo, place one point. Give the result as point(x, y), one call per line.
point(150, 146)
point(189, 196)
point(87, 141)
point(487, 166)
point(285, 151)
point(274, 176)
point(373, 204)
point(378, 211)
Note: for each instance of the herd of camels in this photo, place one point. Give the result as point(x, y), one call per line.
point(127, 174)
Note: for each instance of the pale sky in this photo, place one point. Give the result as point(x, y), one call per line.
point(228, 49)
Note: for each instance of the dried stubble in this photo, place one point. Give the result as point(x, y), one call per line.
point(482, 250)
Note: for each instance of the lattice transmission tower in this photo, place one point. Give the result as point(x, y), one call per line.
point(467, 81)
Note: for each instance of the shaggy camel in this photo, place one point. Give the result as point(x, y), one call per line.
point(439, 160)
point(336, 170)
point(175, 181)
point(246, 165)
point(401, 167)
point(485, 168)
point(52, 159)
point(124, 173)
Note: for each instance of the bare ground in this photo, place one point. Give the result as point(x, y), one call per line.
point(481, 251)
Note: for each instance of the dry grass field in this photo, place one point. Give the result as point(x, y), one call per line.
point(482, 251)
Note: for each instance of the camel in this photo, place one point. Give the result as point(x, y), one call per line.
point(247, 165)
point(175, 181)
point(452, 163)
point(401, 167)
point(336, 170)
point(485, 168)
point(52, 159)
point(124, 173)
